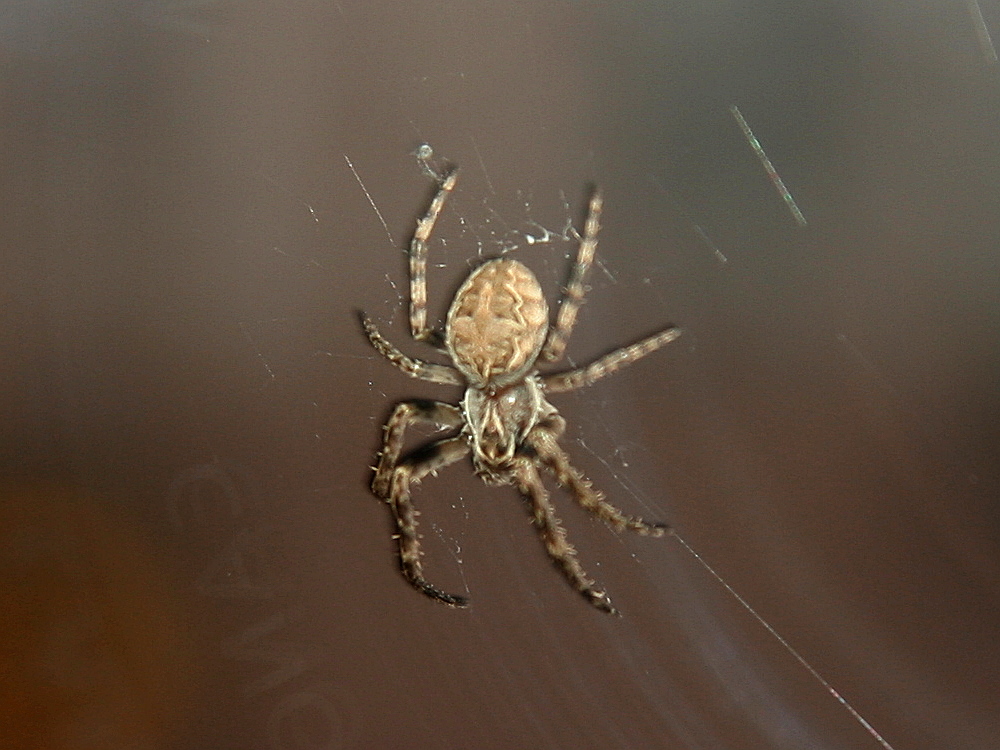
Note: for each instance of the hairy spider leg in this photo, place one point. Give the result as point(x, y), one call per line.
point(393, 479)
point(418, 264)
point(413, 469)
point(406, 413)
point(543, 440)
point(562, 553)
point(416, 368)
point(559, 334)
point(561, 382)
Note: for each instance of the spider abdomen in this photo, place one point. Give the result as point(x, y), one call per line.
point(497, 323)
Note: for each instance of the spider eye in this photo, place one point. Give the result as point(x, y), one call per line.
point(510, 398)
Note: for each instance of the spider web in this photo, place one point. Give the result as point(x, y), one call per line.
point(493, 234)
point(202, 193)
point(766, 590)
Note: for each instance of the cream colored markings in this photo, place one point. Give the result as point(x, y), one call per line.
point(499, 319)
point(526, 301)
point(465, 338)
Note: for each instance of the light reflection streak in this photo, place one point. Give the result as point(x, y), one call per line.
point(982, 33)
point(768, 167)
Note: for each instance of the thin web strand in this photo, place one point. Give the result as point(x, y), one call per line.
point(787, 646)
point(370, 200)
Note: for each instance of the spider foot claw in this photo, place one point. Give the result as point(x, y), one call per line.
point(657, 528)
point(452, 600)
point(600, 600)
point(649, 528)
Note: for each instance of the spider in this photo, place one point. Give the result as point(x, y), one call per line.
point(497, 332)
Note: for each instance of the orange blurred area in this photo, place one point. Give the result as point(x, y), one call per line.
point(92, 648)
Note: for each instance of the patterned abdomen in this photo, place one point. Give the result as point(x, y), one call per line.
point(497, 323)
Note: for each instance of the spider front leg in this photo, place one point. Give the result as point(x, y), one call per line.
point(418, 265)
point(529, 484)
point(415, 368)
point(559, 335)
point(543, 439)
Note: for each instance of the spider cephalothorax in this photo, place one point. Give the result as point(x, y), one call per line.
point(496, 333)
point(499, 424)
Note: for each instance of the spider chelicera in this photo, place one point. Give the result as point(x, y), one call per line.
point(497, 332)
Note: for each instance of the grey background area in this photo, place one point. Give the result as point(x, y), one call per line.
point(198, 197)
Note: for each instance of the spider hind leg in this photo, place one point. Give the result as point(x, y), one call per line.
point(529, 483)
point(405, 414)
point(397, 494)
point(544, 441)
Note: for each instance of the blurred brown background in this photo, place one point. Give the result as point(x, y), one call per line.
point(198, 196)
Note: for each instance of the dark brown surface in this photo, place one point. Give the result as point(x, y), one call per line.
point(185, 245)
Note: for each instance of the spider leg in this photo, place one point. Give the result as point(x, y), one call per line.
point(412, 469)
point(405, 414)
point(559, 334)
point(561, 382)
point(529, 483)
point(418, 264)
point(543, 440)
point(416, 368)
